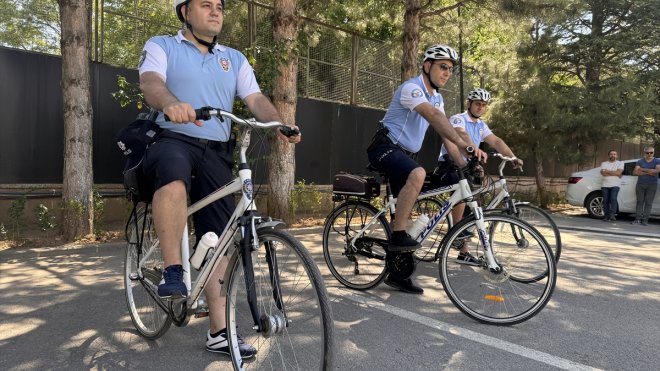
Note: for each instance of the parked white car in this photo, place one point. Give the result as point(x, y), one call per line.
point(584, 190)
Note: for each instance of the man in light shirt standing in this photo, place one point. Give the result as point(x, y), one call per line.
point(611, 170)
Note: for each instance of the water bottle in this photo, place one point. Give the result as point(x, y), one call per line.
point(204, 250)
point(418, 226)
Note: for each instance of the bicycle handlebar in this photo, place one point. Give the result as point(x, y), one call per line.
point(504, 159)
point(205, 113)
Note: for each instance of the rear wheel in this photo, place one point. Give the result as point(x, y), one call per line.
point(148, 312)
point(360, 265)
point(293, 304)
point(541, 221)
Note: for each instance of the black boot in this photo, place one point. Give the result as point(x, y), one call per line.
point(405, 285)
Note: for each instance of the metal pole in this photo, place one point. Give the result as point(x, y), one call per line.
point(354, 67)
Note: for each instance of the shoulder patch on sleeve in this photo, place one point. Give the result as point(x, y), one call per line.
point(457, 120)
point(416, 93)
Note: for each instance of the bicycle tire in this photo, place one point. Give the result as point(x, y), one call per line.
point(148, 313)
point(363, 266)
point(542, 221)
point(497, 298)
point(428, 252)
point(304, 338)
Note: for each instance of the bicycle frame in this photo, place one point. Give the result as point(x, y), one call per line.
point(460, 191)
point(245, 207)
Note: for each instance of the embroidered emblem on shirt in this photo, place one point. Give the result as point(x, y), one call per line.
point(457, 121)
point(224, 63)
point(143, 56)
point(436, 105)
point(416, 93)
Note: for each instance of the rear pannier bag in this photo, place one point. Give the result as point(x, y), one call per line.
point(355, 185)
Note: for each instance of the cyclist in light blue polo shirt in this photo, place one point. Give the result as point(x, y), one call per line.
point(416, 105)
point(178, 74)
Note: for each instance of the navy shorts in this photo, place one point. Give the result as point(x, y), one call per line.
point(204, 166)
point(394, 162)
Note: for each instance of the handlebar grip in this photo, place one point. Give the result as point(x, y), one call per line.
point(289, 131)
point(203, 113)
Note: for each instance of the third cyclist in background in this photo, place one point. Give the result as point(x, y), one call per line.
point(473, 129)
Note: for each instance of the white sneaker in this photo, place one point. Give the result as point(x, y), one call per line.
point(220, 344)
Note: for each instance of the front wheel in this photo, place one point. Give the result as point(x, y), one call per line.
point(293, 304)
point(358, 264)
point(148, 313)
point(497, 297)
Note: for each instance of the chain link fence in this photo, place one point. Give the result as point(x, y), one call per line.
point(334, 65)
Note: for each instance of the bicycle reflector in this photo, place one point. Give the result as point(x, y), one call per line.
point(574, 179)
point(497, 298)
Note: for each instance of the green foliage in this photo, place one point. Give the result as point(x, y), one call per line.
point(128, 93)
point(306, 199)
point(30, 25)
point(124, 35)
point(73, 208)
point(15, 214)
point(378, 202)
point(576, 79)
point(379, 19)
point(3, 232)
point(266, 61)
point(99, 206)
point(44, 217)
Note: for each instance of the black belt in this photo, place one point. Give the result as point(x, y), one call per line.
point(381, 138)
point(213, 144)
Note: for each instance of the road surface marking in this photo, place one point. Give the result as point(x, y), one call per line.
point(490, 341)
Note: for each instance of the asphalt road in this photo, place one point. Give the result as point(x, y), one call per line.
point(63, 308)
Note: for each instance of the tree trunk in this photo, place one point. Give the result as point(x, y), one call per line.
point(541, 191)
point(411, 20)
point(594, 61)
point(281, 162)
point(78, 212)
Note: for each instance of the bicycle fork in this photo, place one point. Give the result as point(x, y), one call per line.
point(493, 266)
point(266, 324)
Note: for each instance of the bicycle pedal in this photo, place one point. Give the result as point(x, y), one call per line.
point(202, 309)
point(201, 312)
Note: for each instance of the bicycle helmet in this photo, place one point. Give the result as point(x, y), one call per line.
point(479, 94)
point(179, 3)
point(438, 51)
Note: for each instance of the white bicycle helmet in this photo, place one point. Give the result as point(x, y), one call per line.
point(438, 51)
point(177, 7)
point(479, 94)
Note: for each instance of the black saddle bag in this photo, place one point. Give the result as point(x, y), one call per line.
point(355, 185)
point(133, 141)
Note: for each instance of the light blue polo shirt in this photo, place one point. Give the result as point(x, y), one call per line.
point(407, 127)
point(477, 130)
point(200, 79)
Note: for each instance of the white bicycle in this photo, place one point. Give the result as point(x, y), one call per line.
point(512, 282)
point(275, 293)
point(531, 214)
